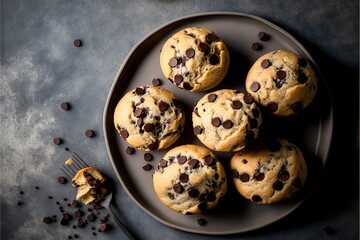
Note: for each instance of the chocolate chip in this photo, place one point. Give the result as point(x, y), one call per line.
point(253, 123)
point(147, 167)
point(91, 217)
point(78, 213)
point(21, 192)
point(156, 82)
point(178, 188)
point(163, 163)
point(130, 150)
point(297, 107)
point(274, 145)
point(256, 46)
point(64, 222)
point(182, 160)
point(235, 173)
point(184, 178)
point(202, 205)
point(302, 62)
point(211, 38)
point(255, 112)
point(89, 133)
point(201, 222)
point(214, 59)
point(57, 141)
point(228, 124)
point(124, 133)
point(75, 204)
point(37, 187)
point(194, 163)
point(284, 175)
point(187, 86)
point(212, 97)
point(65, 105)
point(272, 106)
point(163, 106)
point(258, 176)
point(192, 192)
point(255, 86)
point(302, 78)
point(104, 227)
point(250, 135)
point(216, 122)
point(139, 91)
point(265, 63)
point(178, 78)
point(210, 161)
point(244, 177)
point(149, 127)
point(204, 47)
point(62, 180)
point(153, 146)
point(244, 161)
point(77, 42)
point(256, 198)
point(248, 98)
point(148, 157)
point(19, 203)
point(173, 62)
point(281, 74)
point(236, 104)
point(278, 185)
point(263, 36)
point(198, 130)
point(47, 220)
point(211, 197)
point(190, 53)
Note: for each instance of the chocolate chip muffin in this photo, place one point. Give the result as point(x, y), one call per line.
point(91, 185)
point(283, 82)
point(226, 120)
point(149, 118)
point(269, 172)
point(194, 59)
point(190, 179)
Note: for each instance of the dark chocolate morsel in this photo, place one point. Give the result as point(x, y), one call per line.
point(198, 130)
point(253, 123)
point(258, 176)
point(201, 221)
point(284, 175)
point(139, 91)
point(194, 163)
point(211, 38)
point(281, 74)
point(302, 78)
point(147, 167)
point(156, 82)
point(163, 163)
point(255, 86)
point(77, 42)
point(192, 192)
point(184, 178)
point(256, 198)
point(62, 180)
point(65, 106)
point(89, 133)
point(190, 53)
point(148, 157)
point(124, 133)
point(297, 107)
point(187, 86)
point(211, 197)
point(255, 112)
point(178, 78)
point(173, 62)
point(214, 59)
point(265, 63)
point(216, 122)
point(182, 160)
point(47, 220)
point(250, 135)
point(209, 160)
point(178, 188)
point(263, 36)
point(256, 46)
point(130, 150)
point(57, 141)
point(228, 124)
point(272, 106)
point(153, 146)
point(235, 173)
point(248, 98)
point(204, 47)
point(163, 106)
point(149, 127)
point(278, 185)
point(236, 104)
point(212, 97)
point(244, 177)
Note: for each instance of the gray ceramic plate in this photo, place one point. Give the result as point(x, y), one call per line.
point(310, 130)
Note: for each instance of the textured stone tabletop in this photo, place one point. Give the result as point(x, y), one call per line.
point(41, 68)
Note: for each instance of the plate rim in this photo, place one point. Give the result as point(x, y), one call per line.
point(212, 14)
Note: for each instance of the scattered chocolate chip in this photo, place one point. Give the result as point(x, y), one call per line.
point(256, 46)
point(124, 133)
point(329, 230)
point(278, 185)
point(272, 106)
point(281, 74)
point(67, 149)
point(149, 127)
point(130, 150)
point(64, 222)
point(147, 167)
point(255, 112)
point(163, 106)
point(173, 62)
point(104, 227)
point(244, 177)
point(192, 192)
point(244, 161)
point(65, 199)
point(163, 163)
point(89, 133)
point(204, 47)
point(263, 36)
point(216, 122)
point(77, 42)
point(156, 82)
point(190, 53)
point(236, 104)
point(248, 98)
point(182, 160)
point(201, 222)
point(57, 141)
point(47, 220)
point(197, 130)
point(178, 78)
point(250, 135)
point(62, 180)
point(214, 59)
point(187, 86)
point(253, 123)
point(66, 216)
point(235, 173)
point(302, 78)
point(153, 146)
point(265, 63)
point(297, 107)
point(81, 223)
point(75, 204)
point(228, 124)
point(65, 105)
point(211, 38)
point(21, 192)
point(148, 157)
point(91, 217)
point(211, 197)
point(284, 175)
point(255, 86)
point(256, 198)
point(302, 62)
point(178, 188)
point(50, 197)
point(76, 236)
point(184, 178)
point(194, 163)
point(139, 91)
point(210, 161)
point(19, 203)
point(212, 97)
point(202, 205)
point(258, 176)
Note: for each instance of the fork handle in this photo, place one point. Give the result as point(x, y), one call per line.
point(119, 223)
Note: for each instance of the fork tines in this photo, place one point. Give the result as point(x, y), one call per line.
point(75, 165)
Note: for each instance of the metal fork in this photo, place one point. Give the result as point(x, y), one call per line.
point(77, 163)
